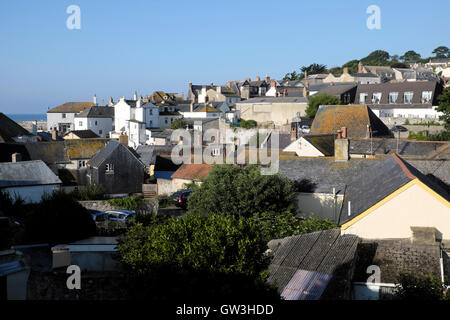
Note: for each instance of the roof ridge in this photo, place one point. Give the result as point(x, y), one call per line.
point(403, 166)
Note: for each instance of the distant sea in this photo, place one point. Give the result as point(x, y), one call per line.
point(28, 117)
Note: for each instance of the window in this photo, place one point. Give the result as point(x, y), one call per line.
point(63, 115)
point(151, 111)
point(408, 96)
point(376, 97)
point(426, 96)
point(393, 97)
point(80, 123)
point(166, 121)
point(100, 131)
point(151, 123)
point(216, 152)
point(95, 122)
point(362, 98)
point(109, 168)
point(171, 120)
point(81, 164)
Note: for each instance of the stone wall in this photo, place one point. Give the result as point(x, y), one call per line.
point(147, 206)
point(94, 286)
point(393, 256)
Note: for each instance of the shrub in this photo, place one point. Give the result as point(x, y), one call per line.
point(412, 287)
point(129, 203)
point(178, 124)
point(317, 100)
point(90, 192)
point(248, 124)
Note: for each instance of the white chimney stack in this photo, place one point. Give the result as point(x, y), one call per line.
point(135, 96)
point(95, 99)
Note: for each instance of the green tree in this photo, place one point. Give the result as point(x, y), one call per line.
point(412, 287)
point(410, 57)
point(314, 68)
point(196, 257)
point(317, 100)
point(352, 66)
point(444, 107)
point(441, 52)
point(248, 124)
point(376, 58)
point(335, 70)
point(292, 76)
point(178, 124)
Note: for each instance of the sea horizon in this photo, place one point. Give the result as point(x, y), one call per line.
point(19, 117)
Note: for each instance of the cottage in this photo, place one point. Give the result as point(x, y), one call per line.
point(97, 119)
point(61, 118)
point(189, 173)
point(28, 180)
point(386, 201)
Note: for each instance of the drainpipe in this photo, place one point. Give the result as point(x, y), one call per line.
point(441, 260)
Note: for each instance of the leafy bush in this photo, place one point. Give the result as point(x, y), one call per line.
point(423, 136)
point(406, 122)
point(129, 203)
point(90, 192)
point(196, 256)
point(164, 201)
point(248, 124)
point(317, 100)
point(178, 124)
point(412, 287)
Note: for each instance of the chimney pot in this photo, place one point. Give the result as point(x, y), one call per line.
point(339, 134)
point(123, 138)
point(344, 132)
point(267, 79)
point(54, 134)
point(95, 99)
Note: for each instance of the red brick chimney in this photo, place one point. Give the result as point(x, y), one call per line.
point(257, 78)
point(229, 84)
point(307, 84)
point(344, 132)
point(339, 134)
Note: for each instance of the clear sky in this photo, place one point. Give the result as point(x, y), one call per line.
point(140, 45)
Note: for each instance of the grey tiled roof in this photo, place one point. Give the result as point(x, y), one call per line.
point(97, 112)
point(10, 129)
point(325, 252)
point(103, 154)
point(275, 100)
point(26, 173)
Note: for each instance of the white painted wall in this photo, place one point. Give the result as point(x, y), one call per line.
point(303, 148)
point(54, 119)
point(414, 207)
point(422, 113)
point(100, 126)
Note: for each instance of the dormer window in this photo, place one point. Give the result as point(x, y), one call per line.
point(376, 97)
point(408, 97)
point(362, 98)
point(426, 96)
point(393, 97)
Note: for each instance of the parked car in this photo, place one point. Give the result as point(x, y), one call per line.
point(180, 198)
point(98, 215)
point(305, 128)
point(398, 129)
point(119, 215)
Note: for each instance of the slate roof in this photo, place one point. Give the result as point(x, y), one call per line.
point(192, 171)
point(26, 173)
point(406, 148)
point(97, 112)
point(371, 186)
point(270, 100)
point(364, 75)
point(207, 109)
point(337, 90)
point(321, 86)
point(147, 154)
point(10, 129)
point(71, 107)
point(355, 118)
point(323, 143)
point(324, 252)
point(83, 134)
point(7, 149)
point(49, 152)
point(103, 154)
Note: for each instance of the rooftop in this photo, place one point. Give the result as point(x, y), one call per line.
point(192, 171)
point(9, 129)
point(71, 107)
point(26, 173)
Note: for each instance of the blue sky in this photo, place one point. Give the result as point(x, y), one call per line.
point(162, 45)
